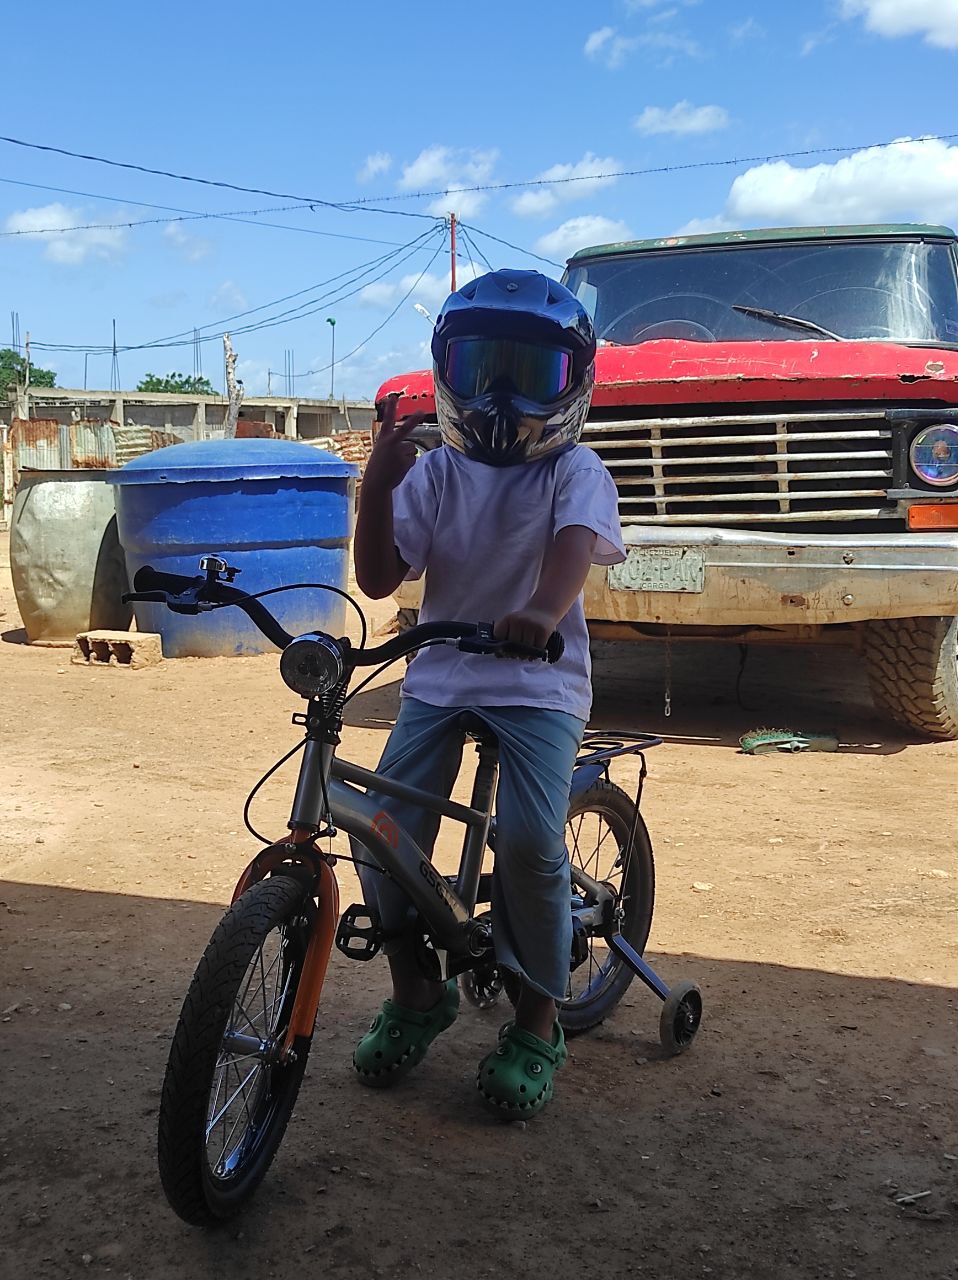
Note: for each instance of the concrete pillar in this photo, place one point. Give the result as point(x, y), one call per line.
point(199, 421)
point(291, 413)
point(119, 410)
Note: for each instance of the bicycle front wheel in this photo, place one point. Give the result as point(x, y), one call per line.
point(227, 1096)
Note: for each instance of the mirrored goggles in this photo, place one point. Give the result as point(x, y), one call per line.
point(475, 366)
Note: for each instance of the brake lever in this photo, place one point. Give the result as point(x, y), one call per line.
point(176, 604)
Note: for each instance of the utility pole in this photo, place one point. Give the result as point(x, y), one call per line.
point(234, 390)
point(332, 359)
point(452, 248)
point(26, 378)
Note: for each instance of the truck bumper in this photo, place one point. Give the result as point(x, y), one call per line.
point(767, 579)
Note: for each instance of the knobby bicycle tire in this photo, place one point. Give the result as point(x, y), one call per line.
point(197, 1192)
point(638, 897)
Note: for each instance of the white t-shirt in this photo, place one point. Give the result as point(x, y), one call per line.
point(480, 535)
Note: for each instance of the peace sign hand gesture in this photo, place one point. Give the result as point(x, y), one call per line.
point(393, 453)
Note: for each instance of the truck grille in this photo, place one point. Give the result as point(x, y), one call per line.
point(755, 469)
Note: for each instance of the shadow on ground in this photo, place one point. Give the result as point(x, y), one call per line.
point(714, 697)
point(755, 1154)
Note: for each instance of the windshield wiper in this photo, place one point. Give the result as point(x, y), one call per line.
point(792, 322)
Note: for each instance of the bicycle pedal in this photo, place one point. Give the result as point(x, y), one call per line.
point(358, 940)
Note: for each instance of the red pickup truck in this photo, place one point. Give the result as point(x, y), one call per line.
point(779, 410)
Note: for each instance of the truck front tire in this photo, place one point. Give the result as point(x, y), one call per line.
point(913, 671)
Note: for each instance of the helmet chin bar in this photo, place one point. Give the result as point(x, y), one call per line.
point(506, 434)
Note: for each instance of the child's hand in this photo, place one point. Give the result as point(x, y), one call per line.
point(393, 453)
point(528, 626)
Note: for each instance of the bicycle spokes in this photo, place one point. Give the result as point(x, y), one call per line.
point(240, 1093)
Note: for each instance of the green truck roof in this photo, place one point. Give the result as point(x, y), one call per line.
point(769, 235)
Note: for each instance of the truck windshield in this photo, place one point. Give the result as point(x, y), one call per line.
point(886, 291)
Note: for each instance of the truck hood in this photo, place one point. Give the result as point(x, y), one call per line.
point(671, 372)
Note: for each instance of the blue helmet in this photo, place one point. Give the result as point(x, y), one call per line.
point(513, 364)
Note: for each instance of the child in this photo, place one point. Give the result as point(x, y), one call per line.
point(504, 520)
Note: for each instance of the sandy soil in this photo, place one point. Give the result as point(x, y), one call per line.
point(822, 1085)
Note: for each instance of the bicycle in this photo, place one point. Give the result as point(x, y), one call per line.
point(240, 1046)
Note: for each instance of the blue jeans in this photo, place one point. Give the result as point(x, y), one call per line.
point(531, 912)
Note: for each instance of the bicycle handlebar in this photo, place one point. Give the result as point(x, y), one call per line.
point(201, 593)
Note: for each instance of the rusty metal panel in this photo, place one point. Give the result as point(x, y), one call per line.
point(36, 445)
point(92, 445)
point(133, 441)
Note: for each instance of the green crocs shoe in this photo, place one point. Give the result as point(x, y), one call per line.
point(398, 1038)
point(515, 1080)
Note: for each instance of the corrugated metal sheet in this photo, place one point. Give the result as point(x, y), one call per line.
point(133, 442)
point(92, 445)
point(43, 444)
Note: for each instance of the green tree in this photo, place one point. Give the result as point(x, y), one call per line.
point(13, 368)
point(183, 384)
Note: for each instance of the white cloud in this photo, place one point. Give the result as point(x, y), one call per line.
point(377, 163)
point(361, 376)
point(450, 169)
point(746, 30)
point(681, 119)
point(578, 233)
point(935, 20)
point(704, 226)
point(190, 248)
point(66, 246)
point(592, 171)
point(228, 297)
point(606, 45)
point(910, 180)
point(254, 377)
point(432, 290)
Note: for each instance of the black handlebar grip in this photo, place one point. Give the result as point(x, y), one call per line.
point(150, 579)
point(555, 647)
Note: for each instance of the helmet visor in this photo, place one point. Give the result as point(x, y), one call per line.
point(475, 366)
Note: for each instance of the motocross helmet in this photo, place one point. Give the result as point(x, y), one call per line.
point(513, 365)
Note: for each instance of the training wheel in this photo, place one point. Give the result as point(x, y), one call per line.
point(481, 987)
point(681, 1015)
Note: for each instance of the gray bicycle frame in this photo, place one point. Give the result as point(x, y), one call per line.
point(447, 909)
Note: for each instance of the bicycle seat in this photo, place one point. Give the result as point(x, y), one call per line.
point(475, 727)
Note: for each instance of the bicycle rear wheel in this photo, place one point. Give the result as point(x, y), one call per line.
point(597, 836)
point(227, 1096)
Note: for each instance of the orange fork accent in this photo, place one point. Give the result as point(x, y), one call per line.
point(317, 959)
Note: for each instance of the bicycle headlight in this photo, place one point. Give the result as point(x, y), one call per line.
point(312, 664)
point(934, 455)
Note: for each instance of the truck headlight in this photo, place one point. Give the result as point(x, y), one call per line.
point(934, 455)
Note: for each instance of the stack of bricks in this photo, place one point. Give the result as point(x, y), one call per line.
point(351, 446)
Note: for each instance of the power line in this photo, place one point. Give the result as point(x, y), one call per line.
point(474, 247)
point(367, 203)
point(515, 248)
point(648, 172)
point(168, 339)
point(187, 214)
point(369, 337)
point(388, 261)
point(195, 217)
point(206, 182)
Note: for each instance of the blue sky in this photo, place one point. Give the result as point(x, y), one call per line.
point(379, 100)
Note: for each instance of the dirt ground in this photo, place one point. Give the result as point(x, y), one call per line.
point(823, 932)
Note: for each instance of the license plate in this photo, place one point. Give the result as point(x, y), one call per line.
point(660, 569)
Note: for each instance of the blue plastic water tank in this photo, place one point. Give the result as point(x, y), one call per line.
point(279, 511)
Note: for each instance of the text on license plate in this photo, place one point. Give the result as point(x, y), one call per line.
point(660, 569)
